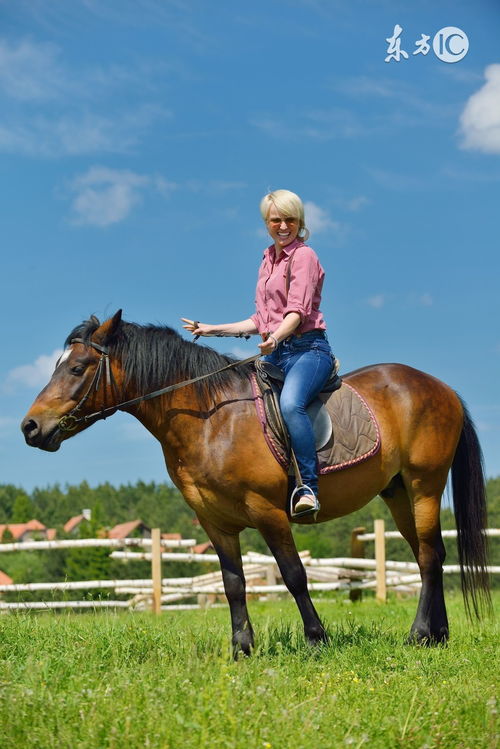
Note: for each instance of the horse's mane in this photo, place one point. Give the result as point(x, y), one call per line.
point(153, 356)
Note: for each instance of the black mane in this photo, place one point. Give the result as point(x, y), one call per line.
point(154, 356)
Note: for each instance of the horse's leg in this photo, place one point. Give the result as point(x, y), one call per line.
point(418, 520)
point(431, 615)
point(227, 546)
point(275, 528)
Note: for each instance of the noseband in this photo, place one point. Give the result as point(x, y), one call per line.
point(70, 421)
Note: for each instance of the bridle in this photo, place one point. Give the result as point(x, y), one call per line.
point(70, 421)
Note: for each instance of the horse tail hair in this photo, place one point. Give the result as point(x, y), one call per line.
point(469, 504)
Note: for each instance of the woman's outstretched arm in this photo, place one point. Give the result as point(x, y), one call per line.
point(244, 327)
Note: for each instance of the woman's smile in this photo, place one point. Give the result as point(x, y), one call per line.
point(283, 229)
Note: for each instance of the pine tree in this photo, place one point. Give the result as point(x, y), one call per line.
point(22, 510)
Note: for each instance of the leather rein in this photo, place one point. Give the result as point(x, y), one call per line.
point(70, 421)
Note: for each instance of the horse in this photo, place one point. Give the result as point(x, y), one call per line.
point(217, 456)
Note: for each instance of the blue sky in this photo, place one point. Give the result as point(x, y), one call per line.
point(137, 138)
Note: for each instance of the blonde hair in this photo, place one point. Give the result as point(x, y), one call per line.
point(288, 204)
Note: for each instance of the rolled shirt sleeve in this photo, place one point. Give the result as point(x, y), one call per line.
point(306, 281)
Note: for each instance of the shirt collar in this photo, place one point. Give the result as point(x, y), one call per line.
point(287, 250)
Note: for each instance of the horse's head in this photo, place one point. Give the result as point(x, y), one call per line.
point(83, 383)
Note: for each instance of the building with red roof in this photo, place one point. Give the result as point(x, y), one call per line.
point(125, 530)
point(29, 531)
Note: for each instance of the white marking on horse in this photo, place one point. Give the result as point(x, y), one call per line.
point(63, 357)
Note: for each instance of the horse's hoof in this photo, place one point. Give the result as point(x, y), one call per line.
point(428, 639)
point(316, 637)
point(242, 645)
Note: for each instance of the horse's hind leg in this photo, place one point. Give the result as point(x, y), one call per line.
point(275, 528)
point(415, 506)
point(228, 550)
point(420, 526)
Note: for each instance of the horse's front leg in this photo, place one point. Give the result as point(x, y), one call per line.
point(228, 550)
point(275, 528)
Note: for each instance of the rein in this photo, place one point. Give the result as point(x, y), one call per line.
point(70, 421)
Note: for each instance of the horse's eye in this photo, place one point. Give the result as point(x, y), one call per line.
point(78, 369)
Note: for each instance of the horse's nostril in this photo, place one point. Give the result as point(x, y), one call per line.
point(30, 428)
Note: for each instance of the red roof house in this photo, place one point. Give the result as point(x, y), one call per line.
point(25, 531)
point(73, 523)
point(125, 530)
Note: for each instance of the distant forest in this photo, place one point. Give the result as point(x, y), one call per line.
point(160, 505)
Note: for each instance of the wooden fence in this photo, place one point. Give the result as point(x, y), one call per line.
point(353, 574)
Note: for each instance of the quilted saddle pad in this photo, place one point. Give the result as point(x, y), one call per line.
point(355, 432)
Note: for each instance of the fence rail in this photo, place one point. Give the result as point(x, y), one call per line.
point(354, 574)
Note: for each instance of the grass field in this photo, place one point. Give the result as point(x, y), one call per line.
point(130, 680)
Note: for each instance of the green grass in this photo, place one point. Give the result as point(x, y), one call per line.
point(132, 680)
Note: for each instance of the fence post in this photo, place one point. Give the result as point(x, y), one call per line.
point(156, 569)
point(271, 579)
point(357, 552)
point(381, 592)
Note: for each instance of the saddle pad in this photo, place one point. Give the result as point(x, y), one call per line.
point(355, 431)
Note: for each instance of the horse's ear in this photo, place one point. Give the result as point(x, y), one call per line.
point(105, 332)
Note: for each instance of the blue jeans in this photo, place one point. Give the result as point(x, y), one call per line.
point(307, 362)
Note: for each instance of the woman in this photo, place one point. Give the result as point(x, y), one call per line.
point(292, 327)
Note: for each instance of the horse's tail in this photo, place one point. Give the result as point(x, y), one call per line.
point(469, 503)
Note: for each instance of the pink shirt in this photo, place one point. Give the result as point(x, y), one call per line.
point(304, 294)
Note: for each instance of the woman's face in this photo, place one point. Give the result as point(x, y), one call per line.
point(282, 230)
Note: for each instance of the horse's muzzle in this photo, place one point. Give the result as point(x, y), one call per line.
point(35, 436)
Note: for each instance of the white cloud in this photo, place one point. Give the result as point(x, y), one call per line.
point(480, 120)
point(376, 301)
point(36, 374)
point(30, 71)
point(356, 203)
point(106, 196)
point(49, 109)
point(318, 220)
point(76, 133)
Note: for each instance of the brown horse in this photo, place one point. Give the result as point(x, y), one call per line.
point(217, 456)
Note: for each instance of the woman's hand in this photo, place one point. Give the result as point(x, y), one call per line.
point(268, 346)
point(196, 328)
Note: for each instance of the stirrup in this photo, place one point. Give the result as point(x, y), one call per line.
point(311, 511)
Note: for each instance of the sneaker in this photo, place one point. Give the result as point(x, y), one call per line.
point(306, 503)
